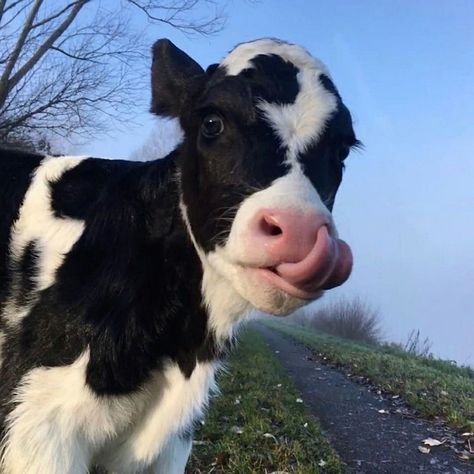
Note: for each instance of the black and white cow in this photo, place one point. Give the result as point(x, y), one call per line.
point(122, 283)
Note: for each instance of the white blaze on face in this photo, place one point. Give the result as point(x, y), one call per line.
point(301, 123)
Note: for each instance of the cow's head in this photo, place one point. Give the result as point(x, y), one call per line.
point(265, 139)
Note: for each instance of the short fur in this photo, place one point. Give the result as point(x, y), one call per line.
point(122, 283)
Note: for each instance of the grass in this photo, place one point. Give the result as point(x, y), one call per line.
point(256, 425)
point(435, 388)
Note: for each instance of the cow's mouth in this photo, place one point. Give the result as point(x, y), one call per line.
point(327, 265)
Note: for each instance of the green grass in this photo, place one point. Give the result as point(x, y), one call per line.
point(276, 433)
point(434, 387)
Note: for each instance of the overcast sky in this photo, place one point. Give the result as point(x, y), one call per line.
point(406, 71)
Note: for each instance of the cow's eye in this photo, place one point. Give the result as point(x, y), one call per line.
point(212, 126)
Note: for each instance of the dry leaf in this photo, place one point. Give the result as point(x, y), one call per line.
point(221, 459)
point(269, 435)
point(433, 442)
point(466, 456)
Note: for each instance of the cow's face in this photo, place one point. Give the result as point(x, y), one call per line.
point(266, 135)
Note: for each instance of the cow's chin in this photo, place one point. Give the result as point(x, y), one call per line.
point(262, 289)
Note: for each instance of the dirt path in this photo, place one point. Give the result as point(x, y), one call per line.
point(369, 441)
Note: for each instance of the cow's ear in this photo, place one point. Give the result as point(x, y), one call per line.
point(173, 73)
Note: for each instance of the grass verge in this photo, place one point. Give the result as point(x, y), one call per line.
point(434, 387)
point(257, 425)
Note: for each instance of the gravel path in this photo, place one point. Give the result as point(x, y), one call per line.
point(369, 440)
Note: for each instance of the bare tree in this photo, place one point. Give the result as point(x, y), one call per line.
point(73, 67)
point(350, 319)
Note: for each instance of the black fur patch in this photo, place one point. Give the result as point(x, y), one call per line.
point(273, 79)
point(129, 289)
point(16, 168)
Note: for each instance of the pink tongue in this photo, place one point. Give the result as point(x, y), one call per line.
point(328, 264)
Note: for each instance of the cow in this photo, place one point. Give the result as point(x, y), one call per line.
point(122, 283)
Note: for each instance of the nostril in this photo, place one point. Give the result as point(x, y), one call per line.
point(269, 227)
point(275, 230)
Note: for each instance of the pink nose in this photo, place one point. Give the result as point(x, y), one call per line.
point(285, 236)
point(299, 253)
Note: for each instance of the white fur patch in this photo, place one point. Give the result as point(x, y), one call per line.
point(59, 426)
point(43, 430)
point(53, 236)
point(179, 402)
point(241, 56)
point(173, 457)
point(225, 306)
point(301, 123)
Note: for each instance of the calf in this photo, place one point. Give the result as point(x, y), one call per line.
point(122, 283)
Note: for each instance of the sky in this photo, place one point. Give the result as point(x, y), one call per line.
point(405, 69)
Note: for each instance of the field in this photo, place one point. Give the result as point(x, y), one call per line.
point(257, 424)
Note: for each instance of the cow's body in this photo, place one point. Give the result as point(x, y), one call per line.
point(121, 283)
point(104, 317)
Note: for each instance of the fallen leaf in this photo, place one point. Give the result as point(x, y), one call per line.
point(269, 435)
point(433, 442)
point(424, 450)
point(466, 456)
point(221, 459)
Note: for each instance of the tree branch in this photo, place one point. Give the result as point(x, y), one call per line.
point(4, 8)
point(72, 56)
point(5, 85)
point(54, 16)
point(47, 44)
point(70, 75)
